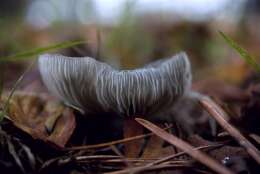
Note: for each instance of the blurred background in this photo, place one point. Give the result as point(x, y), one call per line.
point(130, 33)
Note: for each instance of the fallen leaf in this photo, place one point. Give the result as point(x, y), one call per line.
point(41, 117)
point(155, 148)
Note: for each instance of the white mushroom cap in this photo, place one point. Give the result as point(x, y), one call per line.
point(94, 86)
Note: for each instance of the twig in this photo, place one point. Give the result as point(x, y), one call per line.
point(219, 115)
point(181, 153)
point(95, 146)
point(151, 161)
point(97, 157)
point(157, 167)
point(166, 166)
point(255, 137)
point(117, 152)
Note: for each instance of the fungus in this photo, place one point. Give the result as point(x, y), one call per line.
point(94, 86)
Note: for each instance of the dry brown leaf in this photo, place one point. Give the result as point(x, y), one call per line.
point(41, 117)
point(155, 149)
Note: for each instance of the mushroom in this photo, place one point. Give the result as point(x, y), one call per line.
point(95, 87)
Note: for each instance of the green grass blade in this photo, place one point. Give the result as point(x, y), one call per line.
point(30, 53)
point(1, 78)
point(1, 87)
point(2, 115)
point(17, 83)
point(243, 53)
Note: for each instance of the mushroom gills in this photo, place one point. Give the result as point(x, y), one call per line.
point(94, 86)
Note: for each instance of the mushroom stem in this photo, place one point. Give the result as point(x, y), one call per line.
point(132, 128)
